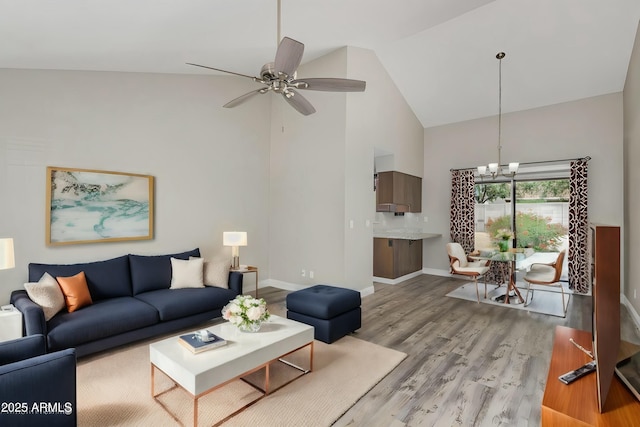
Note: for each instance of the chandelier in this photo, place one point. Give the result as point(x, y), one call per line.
point(495, 169)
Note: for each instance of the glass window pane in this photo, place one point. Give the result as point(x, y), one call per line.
point(492, 213)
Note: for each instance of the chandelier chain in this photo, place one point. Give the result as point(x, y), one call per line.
point(495, 169)
point(500, 56)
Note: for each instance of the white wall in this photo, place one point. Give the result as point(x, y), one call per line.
point(381, 120)
point(588, 127)
point(306, 220)
point(632, 178)
point(322, 172)
point(211, 164)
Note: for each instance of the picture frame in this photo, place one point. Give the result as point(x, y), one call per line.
point(91, 206)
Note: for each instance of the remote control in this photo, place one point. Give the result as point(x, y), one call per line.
point(570, 377)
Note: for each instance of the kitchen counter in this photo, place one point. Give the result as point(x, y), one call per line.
point(404, 234)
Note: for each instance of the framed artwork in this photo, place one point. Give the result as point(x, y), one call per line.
point(89, 206)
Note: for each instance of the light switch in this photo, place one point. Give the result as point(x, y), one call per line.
point(350, 223)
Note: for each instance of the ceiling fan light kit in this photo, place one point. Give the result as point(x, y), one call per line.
point(280, 77)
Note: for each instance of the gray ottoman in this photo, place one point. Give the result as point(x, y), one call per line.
point(333, 312)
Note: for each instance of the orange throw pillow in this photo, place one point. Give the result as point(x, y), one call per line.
point(75, 290)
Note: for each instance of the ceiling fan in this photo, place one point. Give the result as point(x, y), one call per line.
point(280, 77)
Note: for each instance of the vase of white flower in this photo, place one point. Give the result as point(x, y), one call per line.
point(250, 327)
point(246, 312)
point(503, 236)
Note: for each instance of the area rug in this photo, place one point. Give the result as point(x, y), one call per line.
point(544, 300)
point(114, 389)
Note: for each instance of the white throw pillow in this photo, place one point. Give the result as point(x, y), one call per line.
point(187, 273)
point(47, 294)
point(216, 273)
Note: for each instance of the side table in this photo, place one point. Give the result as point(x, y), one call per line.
point(249, 269)
point(10, 324)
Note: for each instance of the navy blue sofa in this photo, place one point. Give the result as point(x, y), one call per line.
point(131, 301)
point(36, 388)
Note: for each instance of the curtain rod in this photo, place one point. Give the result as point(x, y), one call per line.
point(586, 159)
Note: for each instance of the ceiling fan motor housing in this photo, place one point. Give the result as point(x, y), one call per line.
point(268, 71)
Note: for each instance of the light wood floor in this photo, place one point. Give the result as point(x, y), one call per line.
point(468, 364)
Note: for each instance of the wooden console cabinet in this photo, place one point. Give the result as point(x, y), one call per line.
point(393, 258)
point(576, 404)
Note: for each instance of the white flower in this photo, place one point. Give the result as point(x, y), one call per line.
point(235, 320)
point(245, 310)
point(254, 313)
point(234, 308)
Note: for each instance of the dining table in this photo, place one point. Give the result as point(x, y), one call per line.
point(513, 257)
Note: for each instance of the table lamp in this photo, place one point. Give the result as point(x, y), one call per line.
point(7, 259)
point(235, 239)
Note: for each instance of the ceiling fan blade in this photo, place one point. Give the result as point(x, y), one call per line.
point(239, 100)
point(331, 84)
point(224, 71)
point(299, 102)
point(288, 56)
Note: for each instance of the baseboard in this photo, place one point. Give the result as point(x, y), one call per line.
point(632, 311)
point(397, 280)
point(369, 290)
point(436, 272)
point(287, 286)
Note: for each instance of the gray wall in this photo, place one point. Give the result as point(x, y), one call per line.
point(322, 173)
point(211, 164)
point(632, 178)
point(293, 183)
point(588, 127)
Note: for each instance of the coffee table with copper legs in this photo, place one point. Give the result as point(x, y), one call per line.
point(245, 353)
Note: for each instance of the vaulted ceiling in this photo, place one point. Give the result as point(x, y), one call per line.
point(440, 53)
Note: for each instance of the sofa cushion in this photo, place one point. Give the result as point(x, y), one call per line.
point(75, 290)
point(102, 319)
point(47, 294)
point(216, 273)
point(105, 279)
point(187, 273)
point(176, 303)
point(150, 273)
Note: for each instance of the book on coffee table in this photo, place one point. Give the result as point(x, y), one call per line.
point(197, 344)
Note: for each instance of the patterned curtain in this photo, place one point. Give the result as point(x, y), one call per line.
point(462, 220)
point(462, 211)
point(578, 228)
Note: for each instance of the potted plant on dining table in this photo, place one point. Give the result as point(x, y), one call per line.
point(503, 236)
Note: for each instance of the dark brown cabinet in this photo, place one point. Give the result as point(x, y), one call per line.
point(393, 258)
point(397, 188)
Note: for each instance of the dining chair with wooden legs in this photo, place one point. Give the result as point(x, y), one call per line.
point(461, 264)
point(548, 275)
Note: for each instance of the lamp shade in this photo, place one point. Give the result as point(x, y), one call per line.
point(7, 259)
point(234, 238)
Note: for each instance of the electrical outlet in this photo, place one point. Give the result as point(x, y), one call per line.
point(303, 273)
point(426, 219)
point(310, 274)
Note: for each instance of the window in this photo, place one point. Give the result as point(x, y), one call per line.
point(541, 211)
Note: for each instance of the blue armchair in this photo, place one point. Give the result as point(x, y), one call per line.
point(36, 388)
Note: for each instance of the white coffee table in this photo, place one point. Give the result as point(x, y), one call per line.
point(199, 374)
